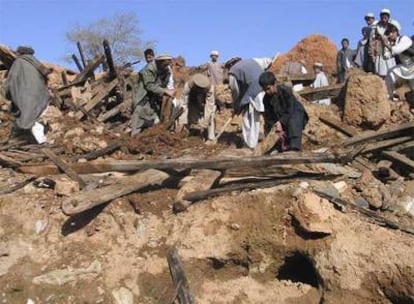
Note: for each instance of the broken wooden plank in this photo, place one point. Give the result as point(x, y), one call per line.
point(404, 160)
point(395, 142)
point(9, 162)
point(82, 56)
point(97, 98)
point(178, 275)
point(294, 77)
point(95, 154)
point(166, 108)
point(202, 180)
point(86, 73)
point(321, 93)
point(267, 143)
point(212, 163)
point(17, 186)
point(7, 56)
point(403, 146)
point(382, 134)
point(111, 113)
point(338, 125)
point(109, 59)
point(76, 61)
point(88, 199)
point(64, 167)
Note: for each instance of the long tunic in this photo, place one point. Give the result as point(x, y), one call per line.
point(27, 88)
point(146, 96)
point(383, 60)
point(215, 72)
point(247, 96)
point(344, 61)
point(285, 108)
point(320, 82)
point(362, 56)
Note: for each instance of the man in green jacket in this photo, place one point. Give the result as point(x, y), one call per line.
point(148, 92)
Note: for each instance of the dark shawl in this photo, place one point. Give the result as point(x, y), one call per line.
point(26, 86)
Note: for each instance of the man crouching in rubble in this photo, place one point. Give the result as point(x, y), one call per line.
point(284, 112)
point(148, 92)
point(26, 87)
point(199, 105)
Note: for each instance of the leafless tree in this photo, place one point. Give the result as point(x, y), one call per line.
point(122, 32)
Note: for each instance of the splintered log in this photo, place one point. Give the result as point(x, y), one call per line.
point(7, 56)
point(95, 154)
point(97, 98)
point(179, 277)
point(394, 143)
point(88, 199)
point(267, 143)
point(213, 163)
point(82, 56)
point(400, 158)
point(109, 59)
point(202, 180)
point(321, 93)
point(77, 62)
point(64, 167)
point(386, 133)
point(9, 162)
point(88, 71)
point(338, 125)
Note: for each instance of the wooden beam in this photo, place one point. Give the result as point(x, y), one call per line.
point(179, 277)
point(64, 167)
point(382, 134)
point(9, 162)
point(95, 154)
point(267, 143)
point(295, 77)
point(17, 186)
point(338, 125)
point(88, 199)
point(388, 143)
point(403, 146)
point(404, 160)
point(88, 70)
point(213, 163)
point(321, 93)
point(7, 56)
point(202, 180)
point(97, 98)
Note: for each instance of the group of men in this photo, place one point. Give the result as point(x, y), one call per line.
point(255, 92)
point(383, 50)
point(254, 89)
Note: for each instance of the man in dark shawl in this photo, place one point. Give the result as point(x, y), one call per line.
point(26, 87)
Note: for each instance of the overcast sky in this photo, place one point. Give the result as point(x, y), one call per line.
point(193, 28)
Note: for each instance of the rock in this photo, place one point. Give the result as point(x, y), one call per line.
point(63, 276)
point(326, 187)
point(366, 102)
point(235, 226)
point(123, 296)
point(65, 186)
point(41, 225)
point(340, 186)
point(313, 214)
point(375, 192)
point(30, 301)
point(78, 132)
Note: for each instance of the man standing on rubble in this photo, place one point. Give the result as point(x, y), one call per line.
point(199, 105)
point(147, 94)
point(320, 81)
point(247, 94)
point(344, 60)
point(283, 112)
point(401, 47)
point(26, 86)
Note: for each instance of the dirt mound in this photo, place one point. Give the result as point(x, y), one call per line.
point(314, 48)
point(366, 102)
point(155, 140)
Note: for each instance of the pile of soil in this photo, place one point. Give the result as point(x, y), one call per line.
point(314, 48)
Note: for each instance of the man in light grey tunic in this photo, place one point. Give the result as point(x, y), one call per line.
point(26, 87)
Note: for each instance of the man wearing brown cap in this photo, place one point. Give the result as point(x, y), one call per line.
point(26, 87)
point(148, 92)
point(199, 105)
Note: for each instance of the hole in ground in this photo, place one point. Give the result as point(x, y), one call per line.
point(298, 268)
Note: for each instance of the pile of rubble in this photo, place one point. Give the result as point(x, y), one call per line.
point(312, 220)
